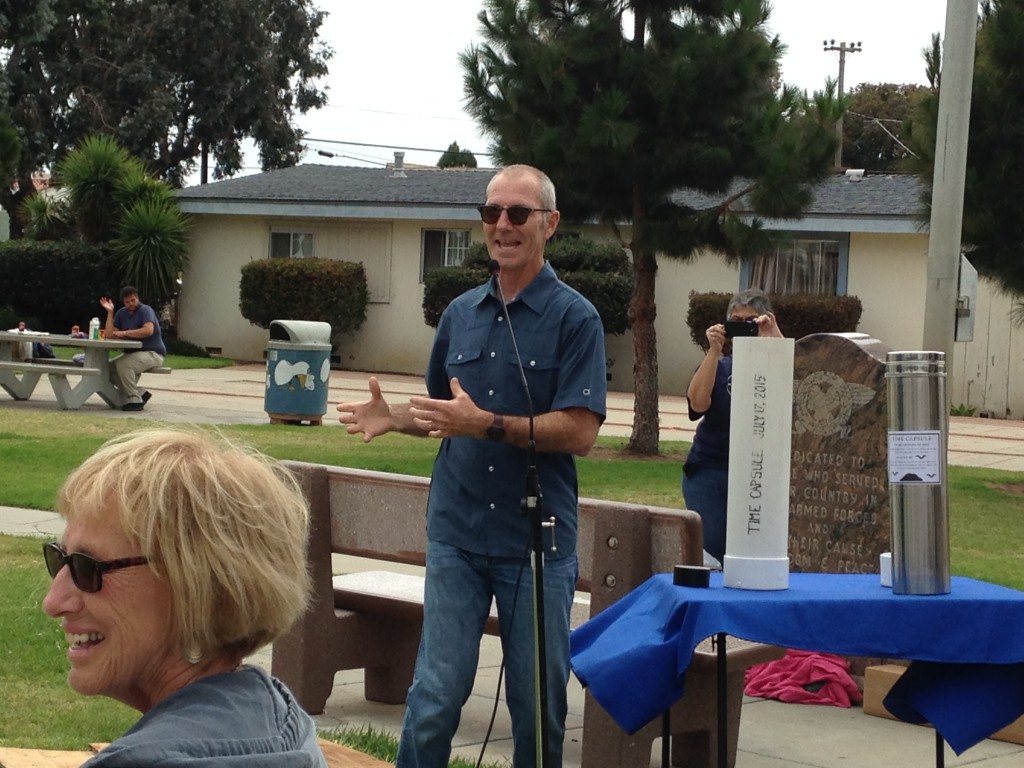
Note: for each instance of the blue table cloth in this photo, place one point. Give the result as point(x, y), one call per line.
point(634, 655)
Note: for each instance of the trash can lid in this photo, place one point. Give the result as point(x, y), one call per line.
point(300, 331)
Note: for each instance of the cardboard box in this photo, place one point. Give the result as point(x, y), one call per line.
point(879, 679)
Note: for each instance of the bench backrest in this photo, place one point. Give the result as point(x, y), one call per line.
point(382, 515)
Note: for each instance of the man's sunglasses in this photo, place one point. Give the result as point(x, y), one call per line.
point(517, 214)
point(86, 572)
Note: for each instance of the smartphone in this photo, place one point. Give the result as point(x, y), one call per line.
point(740, 328)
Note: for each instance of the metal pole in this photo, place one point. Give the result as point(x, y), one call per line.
point(843, 48)
point(944, 230)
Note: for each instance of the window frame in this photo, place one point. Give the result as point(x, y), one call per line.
point(447, 248)
point(842, 264)
point(307, 236)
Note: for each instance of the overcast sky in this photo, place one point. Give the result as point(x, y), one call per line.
point(395, 78)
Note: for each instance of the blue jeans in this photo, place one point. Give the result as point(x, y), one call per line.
point(706, 492)
point(457, 600)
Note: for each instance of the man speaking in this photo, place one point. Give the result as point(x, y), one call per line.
point(520, 356)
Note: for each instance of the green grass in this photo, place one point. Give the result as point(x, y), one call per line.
point(382, 745)
point(37, 450)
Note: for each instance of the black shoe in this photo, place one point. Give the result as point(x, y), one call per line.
point(145, 396)
point(132, 407)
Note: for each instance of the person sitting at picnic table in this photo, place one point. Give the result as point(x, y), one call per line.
point(24, 348)
point(137, 321)
point(183, 554)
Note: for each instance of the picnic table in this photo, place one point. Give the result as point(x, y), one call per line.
point(19, 378)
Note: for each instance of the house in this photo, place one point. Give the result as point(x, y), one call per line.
point(860, 236)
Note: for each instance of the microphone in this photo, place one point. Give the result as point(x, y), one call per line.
point(533, 508)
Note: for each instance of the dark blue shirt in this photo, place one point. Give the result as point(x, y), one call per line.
point(478, 485)
point(132, 321)
point(711, 440)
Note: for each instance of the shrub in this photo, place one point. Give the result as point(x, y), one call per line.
point(323, 290)
point(183, 348)
point(58, 282)
point(599, 271)
point(798, 315)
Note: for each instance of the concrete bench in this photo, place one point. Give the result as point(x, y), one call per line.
point(54, 367)
point(63, 365)
point(371, 619)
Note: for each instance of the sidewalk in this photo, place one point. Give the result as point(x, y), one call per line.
point(772, 734)
point(235, 395)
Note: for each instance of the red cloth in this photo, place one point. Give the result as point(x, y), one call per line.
point(804, 677)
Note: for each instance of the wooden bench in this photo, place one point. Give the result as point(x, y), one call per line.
point(371, 621)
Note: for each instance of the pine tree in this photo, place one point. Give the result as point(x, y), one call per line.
point(625, 103)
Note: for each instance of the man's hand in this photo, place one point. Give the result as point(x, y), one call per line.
point(457, 417)
point(106, 303)
point(371, 417)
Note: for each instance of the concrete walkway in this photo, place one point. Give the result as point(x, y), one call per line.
point(235, 395)
point(772, 734)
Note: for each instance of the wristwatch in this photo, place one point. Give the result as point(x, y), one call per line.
point(496, 431)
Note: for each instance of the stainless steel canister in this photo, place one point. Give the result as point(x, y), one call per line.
point(918, 500)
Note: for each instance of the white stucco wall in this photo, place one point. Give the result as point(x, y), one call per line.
point(208, 313)
point(887, 273)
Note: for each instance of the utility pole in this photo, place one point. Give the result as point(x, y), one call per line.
point(843, 48)
point(951, 133)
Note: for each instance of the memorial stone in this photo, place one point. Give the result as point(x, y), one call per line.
point(839, 497)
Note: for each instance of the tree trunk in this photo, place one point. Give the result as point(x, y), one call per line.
point(642, 312)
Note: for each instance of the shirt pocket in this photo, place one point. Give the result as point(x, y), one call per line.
point(467, 350)
point(540, 369)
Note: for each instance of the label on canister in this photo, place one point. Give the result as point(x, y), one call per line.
point(914, 457)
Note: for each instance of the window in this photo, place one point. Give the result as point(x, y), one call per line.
point(291, 245)
point(443, 248)
point(815, 266)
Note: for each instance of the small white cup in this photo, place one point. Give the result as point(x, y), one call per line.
point(885, 568)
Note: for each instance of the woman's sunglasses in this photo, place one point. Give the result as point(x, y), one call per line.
point(86, 572)
point(517, 214)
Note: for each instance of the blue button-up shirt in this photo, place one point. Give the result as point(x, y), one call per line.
point(478, 485)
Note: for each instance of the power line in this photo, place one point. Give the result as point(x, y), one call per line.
point(358, 159)
point(878, 121)
point(388, 146)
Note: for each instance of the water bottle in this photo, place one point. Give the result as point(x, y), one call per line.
point(94, 328)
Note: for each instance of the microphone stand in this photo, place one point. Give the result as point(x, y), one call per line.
point(532, 506)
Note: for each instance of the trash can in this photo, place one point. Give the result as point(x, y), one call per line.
point(298, 371)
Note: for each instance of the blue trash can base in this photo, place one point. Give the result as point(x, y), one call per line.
point(300, 419)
